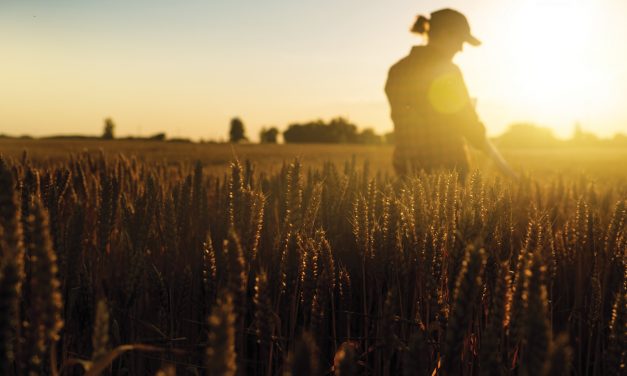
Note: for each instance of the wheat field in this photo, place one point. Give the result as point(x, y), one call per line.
point(176, 259)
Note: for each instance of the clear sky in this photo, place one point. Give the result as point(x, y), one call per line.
point(187, 67)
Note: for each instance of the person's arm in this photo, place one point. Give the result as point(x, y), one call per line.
point(471, 127)
point(466, 120)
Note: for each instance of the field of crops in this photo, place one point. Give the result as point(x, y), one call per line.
point(608, 164)
point(161, 265)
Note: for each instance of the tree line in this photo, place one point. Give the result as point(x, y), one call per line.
point(338, 130)
point(341, 131)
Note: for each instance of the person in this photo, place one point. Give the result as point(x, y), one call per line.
point(431, 109)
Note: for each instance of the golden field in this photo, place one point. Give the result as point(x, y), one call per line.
point(156, 258)
point(593, 161)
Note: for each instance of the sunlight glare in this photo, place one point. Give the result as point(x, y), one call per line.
point(550, 59)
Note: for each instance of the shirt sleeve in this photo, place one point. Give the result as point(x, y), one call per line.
point(465, 120)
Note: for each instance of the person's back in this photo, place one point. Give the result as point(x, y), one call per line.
point(431, 109)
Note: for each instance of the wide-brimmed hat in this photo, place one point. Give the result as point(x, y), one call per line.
point(453, 22)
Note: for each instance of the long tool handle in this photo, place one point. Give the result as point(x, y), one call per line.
point(501, 163)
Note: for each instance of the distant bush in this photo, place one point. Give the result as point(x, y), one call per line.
point(157, 137)
point(620, 139)
point(527, 135)
point(268, 136)
point(337, 131)
point(368, 136)
point(582, 138)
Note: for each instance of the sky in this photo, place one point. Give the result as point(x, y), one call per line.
point(187, 67)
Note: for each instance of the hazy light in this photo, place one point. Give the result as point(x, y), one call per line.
point(554, 74)
point(157, 66)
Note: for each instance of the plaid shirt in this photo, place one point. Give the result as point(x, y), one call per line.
point(432, 113)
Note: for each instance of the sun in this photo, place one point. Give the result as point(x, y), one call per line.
point(549, 59)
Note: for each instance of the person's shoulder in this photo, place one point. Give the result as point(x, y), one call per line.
point(397, 66)
point(402, 61)
point(415, 52)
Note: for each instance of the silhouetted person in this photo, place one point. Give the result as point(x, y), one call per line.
point(432, 112)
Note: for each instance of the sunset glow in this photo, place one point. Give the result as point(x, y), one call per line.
point(556, 68)
point(188, 68)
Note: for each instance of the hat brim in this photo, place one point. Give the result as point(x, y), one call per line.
point(472, 41)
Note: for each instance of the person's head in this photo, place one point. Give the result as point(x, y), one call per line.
point(447, 30)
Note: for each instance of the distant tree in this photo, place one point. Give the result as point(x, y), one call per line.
point(368, 136)
point(312, 132)
point(582, 138)
point(389, 138)
point(338, 130)
point(343, 131)
point(237, 132)
point(577, 132)
point(157, 137)
point(620, 139)
point(109, 128)
point(527, 135)
point(268, 136)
